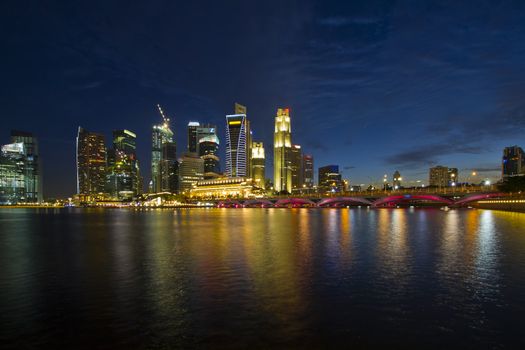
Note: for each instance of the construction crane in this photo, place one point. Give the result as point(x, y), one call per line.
point(166, 120)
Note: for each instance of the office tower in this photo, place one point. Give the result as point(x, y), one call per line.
point(191, 170)
point(169, 168)
point(396, 180)
point(237, 148)
point(32, 168)
point(296, 165)
point(12, 173)
point(205, 130)
point(330, 179)
point(308, 171)
point(123, 178)
point(161, 134)
point(441, 176)
point(513, 162)
point(193, 140)
point(282, 143)
point(208, 151)
point(258, 164)
point(91, 162)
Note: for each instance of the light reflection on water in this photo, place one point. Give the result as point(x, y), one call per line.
point(261, 277)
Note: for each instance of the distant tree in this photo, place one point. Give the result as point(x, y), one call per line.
point(513, 184)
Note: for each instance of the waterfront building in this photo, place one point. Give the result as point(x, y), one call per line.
point(193, 139)
point(208, 151)
point(12, 174)
point(191, 170)
point(396, 180)
point(205, 130)
point(225, 188)
point(91, 162)
point(32, 169)
point(123, 178)
point(282, 144)
point(330, 179)
point(513, 162)
point(258, 164)
point(441, 176)
point(169, 168)
point(161, 134)
point(238, 136)
point(296, 165)
point(308, 171)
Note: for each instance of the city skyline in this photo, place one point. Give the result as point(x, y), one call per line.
point(362, 95)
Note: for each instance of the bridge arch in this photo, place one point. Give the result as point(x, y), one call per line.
point(257, 203)
point(477, 197)
point(342, 201)
point(229, 204)
point(408, 197)
point(294, 202)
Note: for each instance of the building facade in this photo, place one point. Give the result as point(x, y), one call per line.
point(441, 176)
point(193, 139)
point(224, 188)
point(160, 135)
point(282, 144)
point(258, 164)
point(237, 147)
point(209, 152)
point(396, 180)
point(123, 179)
point(513, 162)
point(32, 168)
point(296, 165)
point(91, 162)
point(330, 179)
point(12, 174)
point(191, 170)
point(308, 171)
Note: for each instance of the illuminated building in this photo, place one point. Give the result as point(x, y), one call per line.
point(205, 130)
point(513, 162)
point(12, 174)
point(296, 165)
point(237, 147)
point(396, 180)
point(308, 170)
point(193, 140)
point(282, 144)
point(91, 162)
point(32, 170)
point(191, 170)
point(160, 134)
point(330, 179)
point(258, 164)
point(169, 168)
point(208, 151)
point(123, 178)
point(224, 188)
point(441, 176)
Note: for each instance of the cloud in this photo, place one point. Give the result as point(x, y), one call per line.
point(348, 167)
point(429, 155)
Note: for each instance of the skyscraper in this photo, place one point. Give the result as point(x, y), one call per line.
point(32, 169)
point(308, 170)
point(258, 164)
point(208, 151)
point(442, 176)
point(296, 165)
point(513, 162)
point(12, 173)
point(191, 170)
point(193, 140)
point(237, 148)
point(91, 162)
point(169, 168)
point(282, 143)
point(330, 179)
point(161, 134)
point(123, 178)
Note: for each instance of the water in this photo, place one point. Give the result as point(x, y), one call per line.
point(260, 278)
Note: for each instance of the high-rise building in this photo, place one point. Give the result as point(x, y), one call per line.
point(169, 168)
point(208, 151)
point(237, 147)
point(296, 165)
point(330, 179)
point(123, 178)
point(32, 169)
point(396, 180)
point(258, 164)
point(193, 139)
point(441, 176)
point(513, 162)
point(282, 144)
point(308, 171)
point(161, 134)
point(12, 173)
point(91, 162)
point(191, 170)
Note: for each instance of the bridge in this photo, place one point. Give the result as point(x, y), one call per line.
point(386, 201)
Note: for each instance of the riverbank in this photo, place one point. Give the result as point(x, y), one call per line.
point(516, 204)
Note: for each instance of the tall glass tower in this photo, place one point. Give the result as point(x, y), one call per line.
point(91, 162)
point(160, 135)
point(237, 143)
point(258, 164)
point(282, 145)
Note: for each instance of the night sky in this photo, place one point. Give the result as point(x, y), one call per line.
point(372, 86)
